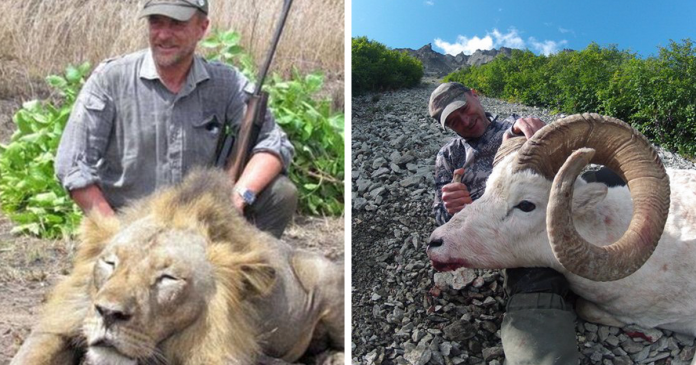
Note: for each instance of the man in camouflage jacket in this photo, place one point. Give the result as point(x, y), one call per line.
point(538, 327)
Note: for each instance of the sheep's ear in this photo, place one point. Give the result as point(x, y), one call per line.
point(587, 196)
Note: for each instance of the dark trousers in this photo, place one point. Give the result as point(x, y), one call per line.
point(539, 326)
point(274, 206)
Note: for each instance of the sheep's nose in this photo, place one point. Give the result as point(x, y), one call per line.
point(435, 242)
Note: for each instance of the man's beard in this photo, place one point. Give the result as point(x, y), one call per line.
point(169, 60)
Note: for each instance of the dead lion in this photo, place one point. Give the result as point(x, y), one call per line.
point(181, 278)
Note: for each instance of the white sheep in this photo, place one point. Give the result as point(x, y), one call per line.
point(524, 219)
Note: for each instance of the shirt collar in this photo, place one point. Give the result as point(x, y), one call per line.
point(197, 74)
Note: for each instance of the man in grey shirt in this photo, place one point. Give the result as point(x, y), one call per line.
point(143, 120)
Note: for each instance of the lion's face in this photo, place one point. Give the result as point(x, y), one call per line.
point(148, 283)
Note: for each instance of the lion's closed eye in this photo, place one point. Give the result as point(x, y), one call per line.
point(169, 287)
point(104, 269)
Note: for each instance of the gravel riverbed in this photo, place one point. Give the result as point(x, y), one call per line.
point(405, 313)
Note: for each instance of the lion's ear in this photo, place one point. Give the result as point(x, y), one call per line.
point(258, 279)
point(95, 231)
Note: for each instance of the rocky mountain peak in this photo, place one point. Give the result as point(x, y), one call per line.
point(438, 64)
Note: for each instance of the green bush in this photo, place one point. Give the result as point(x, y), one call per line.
point(32, 197)
point(29, 193)
point(657, 95)
point(375, 67)
point(316, 132)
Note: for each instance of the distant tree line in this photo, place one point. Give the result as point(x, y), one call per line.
point(375, 67)
point(657, 95)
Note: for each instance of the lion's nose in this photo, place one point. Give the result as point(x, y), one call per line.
point(435, 242)
point(113, 313)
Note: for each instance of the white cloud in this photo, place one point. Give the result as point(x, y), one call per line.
point(496, 39)
point(490, 41)
point(430, 2)
point(464, 44)
point(510, 39)
point(547, 47)
point(564, 31)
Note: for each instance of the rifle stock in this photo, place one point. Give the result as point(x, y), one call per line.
point(248, 133)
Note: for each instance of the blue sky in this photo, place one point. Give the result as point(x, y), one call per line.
point(544, 27)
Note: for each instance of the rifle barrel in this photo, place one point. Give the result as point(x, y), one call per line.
point(271, 52)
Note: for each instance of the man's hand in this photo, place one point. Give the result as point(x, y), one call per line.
point(91, 198)
point(238, 202)
point(455, 195)
point(527, 126)
point(261, 169)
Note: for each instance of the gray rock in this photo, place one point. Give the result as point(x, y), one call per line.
point(392, 221)
point(459, 331)
point(491, 352)
point(641, 355)
point(379, 162)
point(687, 353)
point(685, 340)
point(379, 172)
point(649, 334)
point(631, 346)
point(456, 280)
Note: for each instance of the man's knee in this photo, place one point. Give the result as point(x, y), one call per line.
point(539, 329)
point(284, 192)
point(275, 206)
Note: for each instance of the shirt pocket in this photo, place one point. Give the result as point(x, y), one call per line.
point(93, 103)
point(205, 139)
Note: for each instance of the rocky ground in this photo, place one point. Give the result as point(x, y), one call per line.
point(404, 313)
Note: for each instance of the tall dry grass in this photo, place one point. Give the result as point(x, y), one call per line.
point(40, 37)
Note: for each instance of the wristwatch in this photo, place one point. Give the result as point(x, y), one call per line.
point(247, 195)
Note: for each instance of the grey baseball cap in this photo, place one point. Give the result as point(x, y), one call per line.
point(181, 10)
point(447, 98)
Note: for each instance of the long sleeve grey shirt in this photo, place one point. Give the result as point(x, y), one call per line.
point(130, 135)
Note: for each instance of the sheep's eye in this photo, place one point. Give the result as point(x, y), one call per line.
point(167, 278)
point(525, 206)
point(110, 262)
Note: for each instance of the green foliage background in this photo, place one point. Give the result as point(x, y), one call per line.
point(657, 95)
point(32, 197)
point(375, 67)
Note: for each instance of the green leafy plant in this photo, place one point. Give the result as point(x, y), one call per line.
point(223, 46)
point(316, 132)
point(375, 67)
point(32, 197)
point(318, 137)
point(29, 193)
point(656, 94)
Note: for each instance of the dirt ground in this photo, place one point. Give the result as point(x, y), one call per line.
point(30, 267)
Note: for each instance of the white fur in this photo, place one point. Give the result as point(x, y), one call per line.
point(490, 233)
point(104, 356)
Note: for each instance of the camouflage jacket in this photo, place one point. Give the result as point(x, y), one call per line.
point(453, 156)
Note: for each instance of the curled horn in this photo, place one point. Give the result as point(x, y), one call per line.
point(616, 145)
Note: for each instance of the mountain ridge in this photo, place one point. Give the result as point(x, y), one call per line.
point(438, 64)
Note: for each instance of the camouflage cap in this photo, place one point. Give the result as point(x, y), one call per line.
point(447, 98)
point(181, 10)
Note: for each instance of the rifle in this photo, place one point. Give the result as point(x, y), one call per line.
point(234, 156)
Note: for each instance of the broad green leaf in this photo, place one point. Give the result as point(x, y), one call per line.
point(56, 81)
point(73, 74)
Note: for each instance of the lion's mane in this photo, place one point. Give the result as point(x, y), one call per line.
point(224, 330)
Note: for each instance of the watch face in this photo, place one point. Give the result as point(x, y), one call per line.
point(249, 197)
